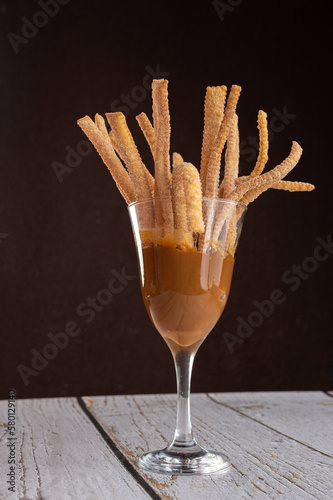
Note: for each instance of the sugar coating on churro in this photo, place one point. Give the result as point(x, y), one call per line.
point(231, 239)
point(192, 187)
point(242, 179)
point(187, 197)
point(147, 129)
point(213, 169)
point(277, 173)
point(293, 186)
point(176, 159)
point(111, 160)
point(130, 154)
point(231, 160)
point(161, 118)
point(213, 115)
point(253, 193)
point(113, 140)
point(263, 144)
point(119, 151)
point(178, 198)
point(162, 136)
point(100, 124)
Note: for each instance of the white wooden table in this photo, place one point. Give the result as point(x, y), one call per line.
point(280, 444)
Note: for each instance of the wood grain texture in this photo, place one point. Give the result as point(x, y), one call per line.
point(61, 455)
point(280, 445)
point(266, 464)
point(275, 409)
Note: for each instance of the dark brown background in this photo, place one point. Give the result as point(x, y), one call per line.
point(64, 238)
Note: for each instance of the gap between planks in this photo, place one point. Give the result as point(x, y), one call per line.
point(117, 452)
point(267, 426)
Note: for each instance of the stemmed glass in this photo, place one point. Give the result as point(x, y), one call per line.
point(185, 283)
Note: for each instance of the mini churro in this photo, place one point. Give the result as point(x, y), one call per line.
point(113, 140)
point(178, 198)
point(231, 240)
point(231, 160)
point(162, 137)
point(242, 179)
point(293, 186)
point(213, 168)
point(100, 124)
point(130, 154)
point(187, 198)
point(277, 173)
point(214, 110)
point(147, 129)
point(111, 160)
point(263, 144)
point(161, 119)
point(253, 193)
point(176, 159)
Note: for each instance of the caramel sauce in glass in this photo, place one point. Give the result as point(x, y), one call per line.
point(184, 291)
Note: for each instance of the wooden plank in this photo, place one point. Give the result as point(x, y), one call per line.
point(264, 465)
point(294, 414)
point(61, 455)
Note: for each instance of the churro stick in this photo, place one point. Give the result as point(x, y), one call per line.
point(162, 136)
point(213, 168)
point(232, 236)
point(193, 193)
point(176, 159)
point(109, 157)
point(231, 160)
point(263, 150)
point(224, 217)
point(253, 193)
point(277, 173)
point(213, 171)
point(113, 140)
point(242, 179)
point(178, 198)
point(263, 144)
point(129, 153)
point(162, 149)
point(150, 178)
point(284, 185)
point(187, 197)
point(214, 110)
point(223, 220)
point(179, 209)
point(148, 130)
point(100, 124)
point(293, 186)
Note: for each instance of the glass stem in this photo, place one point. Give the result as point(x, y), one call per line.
point(183, 434)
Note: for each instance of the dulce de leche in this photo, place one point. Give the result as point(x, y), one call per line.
point(184, 291)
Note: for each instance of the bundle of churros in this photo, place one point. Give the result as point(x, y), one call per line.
point(179, 191)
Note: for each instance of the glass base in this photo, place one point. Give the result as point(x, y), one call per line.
point(177, 460)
